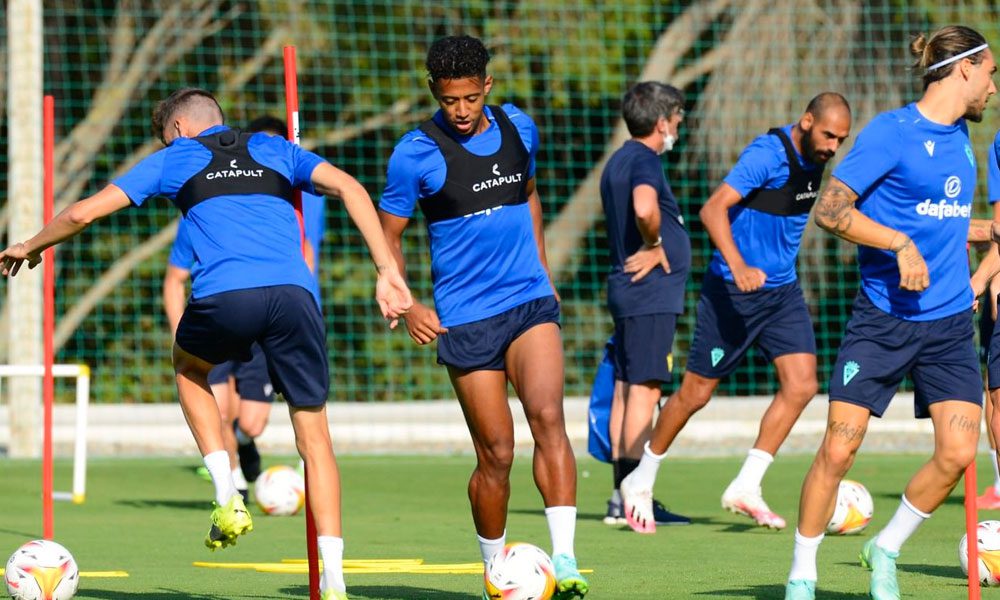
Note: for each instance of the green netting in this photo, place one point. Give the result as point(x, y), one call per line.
point(745, 66)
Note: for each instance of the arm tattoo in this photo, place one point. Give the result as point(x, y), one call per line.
point(833, 211)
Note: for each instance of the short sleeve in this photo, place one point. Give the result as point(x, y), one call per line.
point(648, 171)
point(875, 153)
point(181, 253)
point(757, 166)
point(528, 131)
point(144, 180)
point(304, 163)
point(402, 186)
point(993, 170)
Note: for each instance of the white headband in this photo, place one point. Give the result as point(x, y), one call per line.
point(957, 57)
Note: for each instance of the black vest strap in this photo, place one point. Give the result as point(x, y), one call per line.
point(231, 172)
point(798, 194)
point(477, 183)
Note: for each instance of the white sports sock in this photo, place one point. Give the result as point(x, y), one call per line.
point(902, 525)
point(562, 528)
point(239, 480)
point(217, 464)
point(754, 468)
point(644, 475)
point(616, 496)
point(996, 471)
point(331, 550)
point(490, 547)
point(804, 557)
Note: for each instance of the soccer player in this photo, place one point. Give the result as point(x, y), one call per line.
point(235, 191)
point(989, 336)
point(751, 297)
point(650, 256)
point(471, 168)
point(904, 195)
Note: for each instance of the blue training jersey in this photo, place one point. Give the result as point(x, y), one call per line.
point(482, 264)
point(993, 169)
point(918, 177)
point(767, 242)
point(181, 252)
point(239, 241)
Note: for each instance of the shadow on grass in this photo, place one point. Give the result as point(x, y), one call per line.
point(952, 500)
point(27, 536)
point(162, 594)
point(372, 592)
point(200, 505)
point(946, 571)
point(771, 591)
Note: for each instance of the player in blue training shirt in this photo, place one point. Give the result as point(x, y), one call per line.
point(496, 316)
point(751, 297)
point(904, 195)
point(650, 256)
point(252, 285)
point(989, 335)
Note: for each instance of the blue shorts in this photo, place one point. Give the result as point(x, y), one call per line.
point(252, 379)
point(482, 345)
point(986, 326)
point(878, 350)
point(775, 321)
point(220, 373)
point(642, 349)
point(989, 340)
point(283, 319)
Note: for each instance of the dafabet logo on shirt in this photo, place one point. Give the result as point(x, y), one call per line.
point(942, 209)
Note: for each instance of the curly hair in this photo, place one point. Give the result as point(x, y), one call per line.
point(457, 57)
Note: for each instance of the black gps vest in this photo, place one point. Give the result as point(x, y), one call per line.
point(798, 194)
point(232, 171)
point(475, 183)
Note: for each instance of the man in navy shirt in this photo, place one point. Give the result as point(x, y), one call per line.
point(235, 190)
point(750, 297)
point(471, 168)
point(904, 195)
point(650, 259)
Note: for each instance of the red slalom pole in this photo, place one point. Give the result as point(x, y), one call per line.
point(48, 314)
point(971, 525)
point(292, 117)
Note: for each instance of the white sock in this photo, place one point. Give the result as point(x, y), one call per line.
point(616, 496)
point(804, 557)
point(331, 551)
point(753, 469)
point(490, 547)
point(239, 480)
point(996, 471)
point(217, 464)
point(241, 438)
point(644, 475)
point(562, 528)
point(902, 525)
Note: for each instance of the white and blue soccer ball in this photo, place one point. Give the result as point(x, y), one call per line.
point(280, 491)
point(988, 534)
point(853, 511)
point(520, 572)
point(42, 570)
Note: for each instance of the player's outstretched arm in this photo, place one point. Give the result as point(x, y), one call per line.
point(715, 216)
point(836, 213)
point(422, 322)
point(391, 292)
point(69, 222)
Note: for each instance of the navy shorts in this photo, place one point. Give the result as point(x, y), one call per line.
point(481, 345)
point(220, 373)
point(878, 350)
point(642, 349)
point(283, 319)
point(775, 321)
point(252, 379)
point(989, 341)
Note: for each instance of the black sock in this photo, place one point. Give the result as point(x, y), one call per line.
point(624, 466)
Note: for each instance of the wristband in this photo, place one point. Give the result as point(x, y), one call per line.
point(656, 244)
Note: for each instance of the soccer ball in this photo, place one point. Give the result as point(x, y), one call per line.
point(42, 570)
point(988, 533)
point(520, 572)
point(280, 491)
point(853, 510)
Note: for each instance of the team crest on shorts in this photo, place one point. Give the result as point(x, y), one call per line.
point(851, 369)
point(717, 355)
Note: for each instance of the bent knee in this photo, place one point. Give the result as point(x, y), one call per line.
point(837, 457)
point(955, 459)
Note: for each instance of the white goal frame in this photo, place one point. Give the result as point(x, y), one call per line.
point(82, 375)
